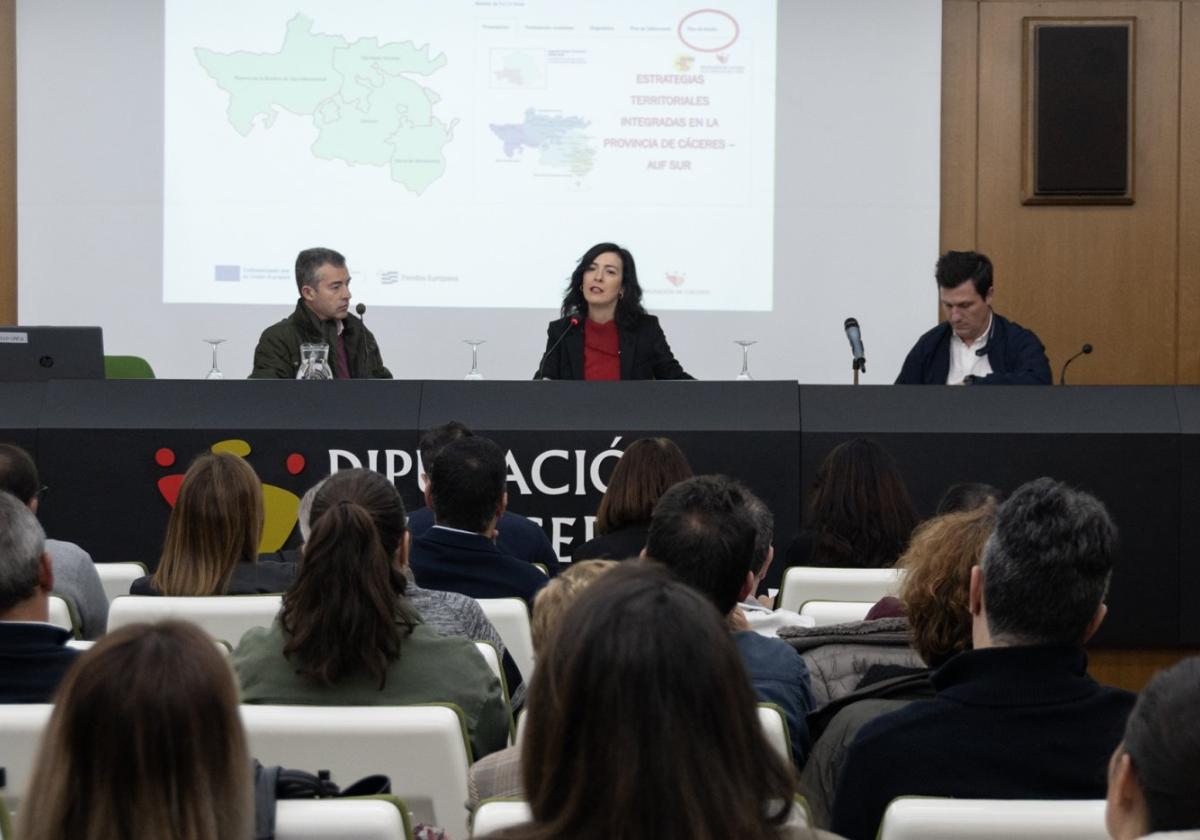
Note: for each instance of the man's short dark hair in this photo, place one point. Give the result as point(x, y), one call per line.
point(956, 267)
point(18, 473)
point(309, 262)
point(703, 532)
point(764, 529)
point(1047, 565)
point(468, 479)
point(435, 440)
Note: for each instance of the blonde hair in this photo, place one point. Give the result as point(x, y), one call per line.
point(216, 523)
point(145, 741)
point(557, 596)
point(936, 588)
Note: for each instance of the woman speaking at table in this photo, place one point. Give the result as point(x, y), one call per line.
point(604, 333)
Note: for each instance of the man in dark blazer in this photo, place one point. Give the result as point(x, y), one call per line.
point(459, 553)
point(974, 345)
point(1016, 717)
point(516, 535)
point(33, 653)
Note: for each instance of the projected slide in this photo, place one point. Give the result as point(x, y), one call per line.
point(463, 153)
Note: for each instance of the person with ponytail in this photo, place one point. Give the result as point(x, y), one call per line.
point(348, 636)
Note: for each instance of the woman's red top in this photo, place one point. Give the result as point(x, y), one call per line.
point(601, 351)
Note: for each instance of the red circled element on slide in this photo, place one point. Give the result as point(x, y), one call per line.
point(164, 457)
point(295, 463)
point(737, 30)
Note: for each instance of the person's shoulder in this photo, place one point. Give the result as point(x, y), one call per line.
point(934, 334)
point(143, 586)
point(66, 550)
point(1012, 329)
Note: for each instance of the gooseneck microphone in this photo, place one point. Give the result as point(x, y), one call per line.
point(572, 323)
point(361, 309)
point(1062, 377)
point(856, 345)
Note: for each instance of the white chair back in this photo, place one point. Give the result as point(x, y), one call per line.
point(21, 727)
point(824, 613)
point(60, 613)
point(117, 577)
point(498, 814)
point(422, 749)
point(930, 818)
point(334, 819)
point(488, 651)
point(802, 584)
point(224, 617)
point(775, 728)
point(510, 617)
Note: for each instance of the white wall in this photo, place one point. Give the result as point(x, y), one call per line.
point(856, 227)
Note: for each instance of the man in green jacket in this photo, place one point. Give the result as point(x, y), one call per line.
point(322, 316)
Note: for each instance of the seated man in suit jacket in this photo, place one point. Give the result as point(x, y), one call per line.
point(459, 553)
point(33, 653)
point(516, 535)
point(974, 345)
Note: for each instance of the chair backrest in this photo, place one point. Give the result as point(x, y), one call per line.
point(421, 749)
point(116, 577)
point(224, 617)
point(824, 613)
point(488, 651)
point(498, 814)
point(930, 818)
point(21, 727)
point(812, 583)
point(61, 616)
point(127, 367)
point(510, 617)
point(333, 819)
point(774, 725)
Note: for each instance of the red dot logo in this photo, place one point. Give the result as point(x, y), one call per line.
point(164, 457)
point(295, 463)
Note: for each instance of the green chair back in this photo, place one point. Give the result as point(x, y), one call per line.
point(127, 367)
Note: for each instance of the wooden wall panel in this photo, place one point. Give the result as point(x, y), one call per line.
point(960, 86)
point(1188, 366)
point(8, 161)
point(1105, 275)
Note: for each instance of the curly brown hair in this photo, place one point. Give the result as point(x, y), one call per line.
point(936, 585)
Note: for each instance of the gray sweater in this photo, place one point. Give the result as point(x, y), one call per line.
point(76, 580)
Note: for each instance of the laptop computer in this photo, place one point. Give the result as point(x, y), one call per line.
point(36, 354)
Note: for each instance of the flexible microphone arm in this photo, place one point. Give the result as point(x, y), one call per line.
point(1062, 377)
point(573, 323)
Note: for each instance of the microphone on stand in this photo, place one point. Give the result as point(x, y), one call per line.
point(1062, 377)
point(573, 317)
point(361, 309)
point(856, 345)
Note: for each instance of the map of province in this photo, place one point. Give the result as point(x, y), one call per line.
point(363, 102)
point(560, 140)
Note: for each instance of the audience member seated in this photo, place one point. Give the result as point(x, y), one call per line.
point(75, 576)
point(144, 741)
point(1153, 784)
point(757, 610)
point(517, 536)
point(1017, 717)
point(347, 635)
point(33, 653)
point(499, 774)
point(703, 532)
point(643, 726)
point(860, 513)
point(936, 594)
point(968, 496)
point(459, 553)
point(211, 547)
point(644, 472)
point(449, 613)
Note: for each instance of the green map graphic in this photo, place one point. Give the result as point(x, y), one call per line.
point(363, 102)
